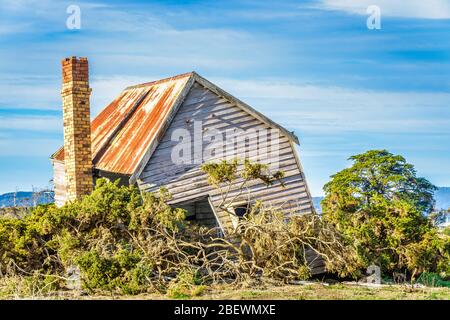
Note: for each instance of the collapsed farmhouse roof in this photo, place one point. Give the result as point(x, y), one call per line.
point(126, 132)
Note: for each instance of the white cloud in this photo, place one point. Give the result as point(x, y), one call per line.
point(50, 16)
point(31, 123)
point(29, 147)
point(422, 9)
point(33, 92)
point(13, 28)
point(333, 110)
point(308, 108)
point(30, 92)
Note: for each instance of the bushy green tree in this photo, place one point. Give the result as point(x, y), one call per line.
point(380, 205)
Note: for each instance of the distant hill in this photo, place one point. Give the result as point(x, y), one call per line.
point(442, 197)
point(25, 198)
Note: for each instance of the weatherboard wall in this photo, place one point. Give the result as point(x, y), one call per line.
point(187, 182)
point(59, 182)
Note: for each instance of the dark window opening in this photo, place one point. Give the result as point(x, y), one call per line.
point(199, 212)
point(242, 210)
point(190, 216)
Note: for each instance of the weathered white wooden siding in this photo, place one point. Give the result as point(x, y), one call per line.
point(59, 182)
point(187, 181)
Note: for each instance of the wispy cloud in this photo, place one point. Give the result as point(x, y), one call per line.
point(330, 110)
point(429, 9)
point(309, 108)
point(13, 28)
point(31, 123)
point(30, 92)
point(29, 147)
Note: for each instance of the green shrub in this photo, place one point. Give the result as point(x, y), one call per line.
point(432, 280)
point(124, 271)
point(99, 234)
point(187, 284)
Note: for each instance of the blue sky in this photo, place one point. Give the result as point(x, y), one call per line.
point(312, 66)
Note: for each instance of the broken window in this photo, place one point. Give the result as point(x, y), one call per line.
point(241, 209)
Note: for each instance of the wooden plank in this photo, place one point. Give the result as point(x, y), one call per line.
point(199, 95)
point(188, 183)
point(162, 159)
point(244, 124)
point(164, 172)
point(205, 114)
point(252, 145)
point(244, 106)
point(255, 128)
point(59, 183)
point(191, 182)
point(214, 104)
point(256, 188)
point(200, 177)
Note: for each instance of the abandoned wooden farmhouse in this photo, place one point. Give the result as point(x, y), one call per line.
point(134, 138)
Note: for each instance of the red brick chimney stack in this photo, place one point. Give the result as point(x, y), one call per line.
point(77, 127)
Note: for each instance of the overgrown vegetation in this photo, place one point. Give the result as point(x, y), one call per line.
point(120, 241)
point(271, 244)
point(380, 206)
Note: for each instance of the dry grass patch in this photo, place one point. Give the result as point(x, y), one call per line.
point(312, 291)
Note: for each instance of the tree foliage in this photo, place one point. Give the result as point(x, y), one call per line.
point(381, 206)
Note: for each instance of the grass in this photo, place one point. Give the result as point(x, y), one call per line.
point(313, 291)
point(332, 292)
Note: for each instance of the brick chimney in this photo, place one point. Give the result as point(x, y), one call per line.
point(77, 127)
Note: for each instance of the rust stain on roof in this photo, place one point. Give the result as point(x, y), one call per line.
point(124, 130)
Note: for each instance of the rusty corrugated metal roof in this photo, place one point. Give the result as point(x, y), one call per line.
point(124, 130)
